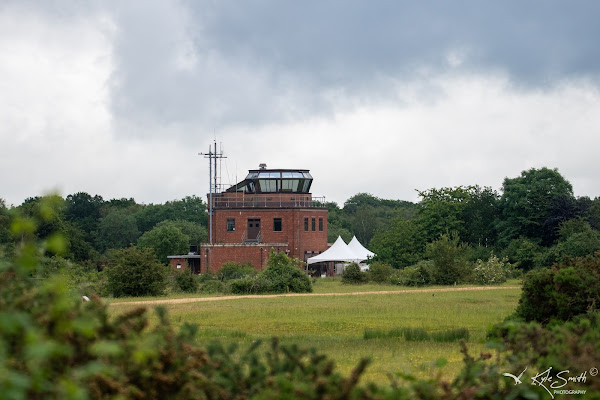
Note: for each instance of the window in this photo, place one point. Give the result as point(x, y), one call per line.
point(313, 224)
point(320, 224)
point(230, 225)
point(306, 224)
point(277, 224)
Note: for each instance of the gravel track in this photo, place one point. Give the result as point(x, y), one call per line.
point(269, 296)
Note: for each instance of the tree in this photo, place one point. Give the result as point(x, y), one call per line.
point(195, 232)
point(364, 214)
point(527, 202)
point(450, 259)
point(84, 210)
point(136, 272)
point(481, 215)
point(578, 239)
point(401, 244)
point(441, 210)
point(165, 239)
point(5, 236)
point(116, 231)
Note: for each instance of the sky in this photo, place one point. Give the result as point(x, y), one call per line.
point(117, 98)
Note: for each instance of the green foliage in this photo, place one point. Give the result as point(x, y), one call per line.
point(400, 245)
point(186, 281)
point(577, 239)
point(526, 202)
point(212, 287)
point(379, 272)
point(418, 334)
point(233, 270)
point(116, 230)
point(491, 272)
point(561, 293)
point(416, 275)
point(285, 275)
point(352, 275)
point(136, 272)
point(450, 260)
point(365, 214)
point(54, 346)
point(282, 275)
point(165, 239)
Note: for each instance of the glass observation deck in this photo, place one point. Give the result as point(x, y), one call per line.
point(270, 188)
point(274, 181)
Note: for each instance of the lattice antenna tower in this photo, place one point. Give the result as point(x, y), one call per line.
point(213, 183)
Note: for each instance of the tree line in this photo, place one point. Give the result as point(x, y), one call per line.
point(534, 221)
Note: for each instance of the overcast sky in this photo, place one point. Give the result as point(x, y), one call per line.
point(117, 98)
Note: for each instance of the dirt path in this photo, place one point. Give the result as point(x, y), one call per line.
point(268, 296)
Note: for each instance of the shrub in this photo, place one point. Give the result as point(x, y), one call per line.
point(450, 260)
point(561, 293)
point(135, 272)
point(417, 275)
point(379, 272)
point(285, 275)
point(213, 286)
point(251, 284)
point(232, 270)
point(491, 272)
point(452, 335)
point(186, 281)
point(352, 275)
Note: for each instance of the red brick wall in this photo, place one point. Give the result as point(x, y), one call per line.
point(227, 246)
point(181, 261)
point(213, 259)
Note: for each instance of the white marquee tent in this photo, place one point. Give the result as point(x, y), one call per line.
point(342, 252)
point(360, 250)
point(339, 251)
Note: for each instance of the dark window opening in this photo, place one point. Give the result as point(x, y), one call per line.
point(313, 224)
point(277, 224)
point(306, 224)
point(230, 225)
point(320, 224)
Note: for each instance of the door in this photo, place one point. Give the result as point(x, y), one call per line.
point(253, 229)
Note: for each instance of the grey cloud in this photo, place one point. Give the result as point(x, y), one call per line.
point(269, 61)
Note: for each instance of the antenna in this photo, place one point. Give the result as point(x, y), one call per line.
point(213, 185)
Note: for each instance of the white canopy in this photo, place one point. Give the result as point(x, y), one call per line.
point(339, 251)
point(358, 249)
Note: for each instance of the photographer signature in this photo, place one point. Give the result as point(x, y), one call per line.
point(557, 381)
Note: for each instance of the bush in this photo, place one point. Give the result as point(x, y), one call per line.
point(232, 270)
point(491, 272)
point(416, 275)
point(213, 286)
point(450, 260)
point(352, 275)
point(135, 272)
point(251, 285)
point(380, 272)
point(285, 275)
point(186, 281)
point(561, 293)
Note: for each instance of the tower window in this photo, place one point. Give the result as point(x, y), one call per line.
point(230, 225)
point(277, 224)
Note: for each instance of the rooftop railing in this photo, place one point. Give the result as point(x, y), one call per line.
point(276, 200)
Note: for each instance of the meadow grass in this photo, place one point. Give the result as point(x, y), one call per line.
point(336, 325)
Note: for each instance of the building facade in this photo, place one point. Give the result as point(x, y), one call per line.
point(270, 210)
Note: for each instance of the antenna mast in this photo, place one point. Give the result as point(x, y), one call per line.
point(213, 185)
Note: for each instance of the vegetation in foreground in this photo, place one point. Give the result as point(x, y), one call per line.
point(54, 346)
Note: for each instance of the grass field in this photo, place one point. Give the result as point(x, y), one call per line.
point(336, 325)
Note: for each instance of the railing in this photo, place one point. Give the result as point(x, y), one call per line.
point(274, 201)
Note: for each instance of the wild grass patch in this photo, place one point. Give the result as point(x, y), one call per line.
point(417, 334)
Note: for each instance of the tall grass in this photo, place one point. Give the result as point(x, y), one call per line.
point(418, 334)
point(337, 325)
